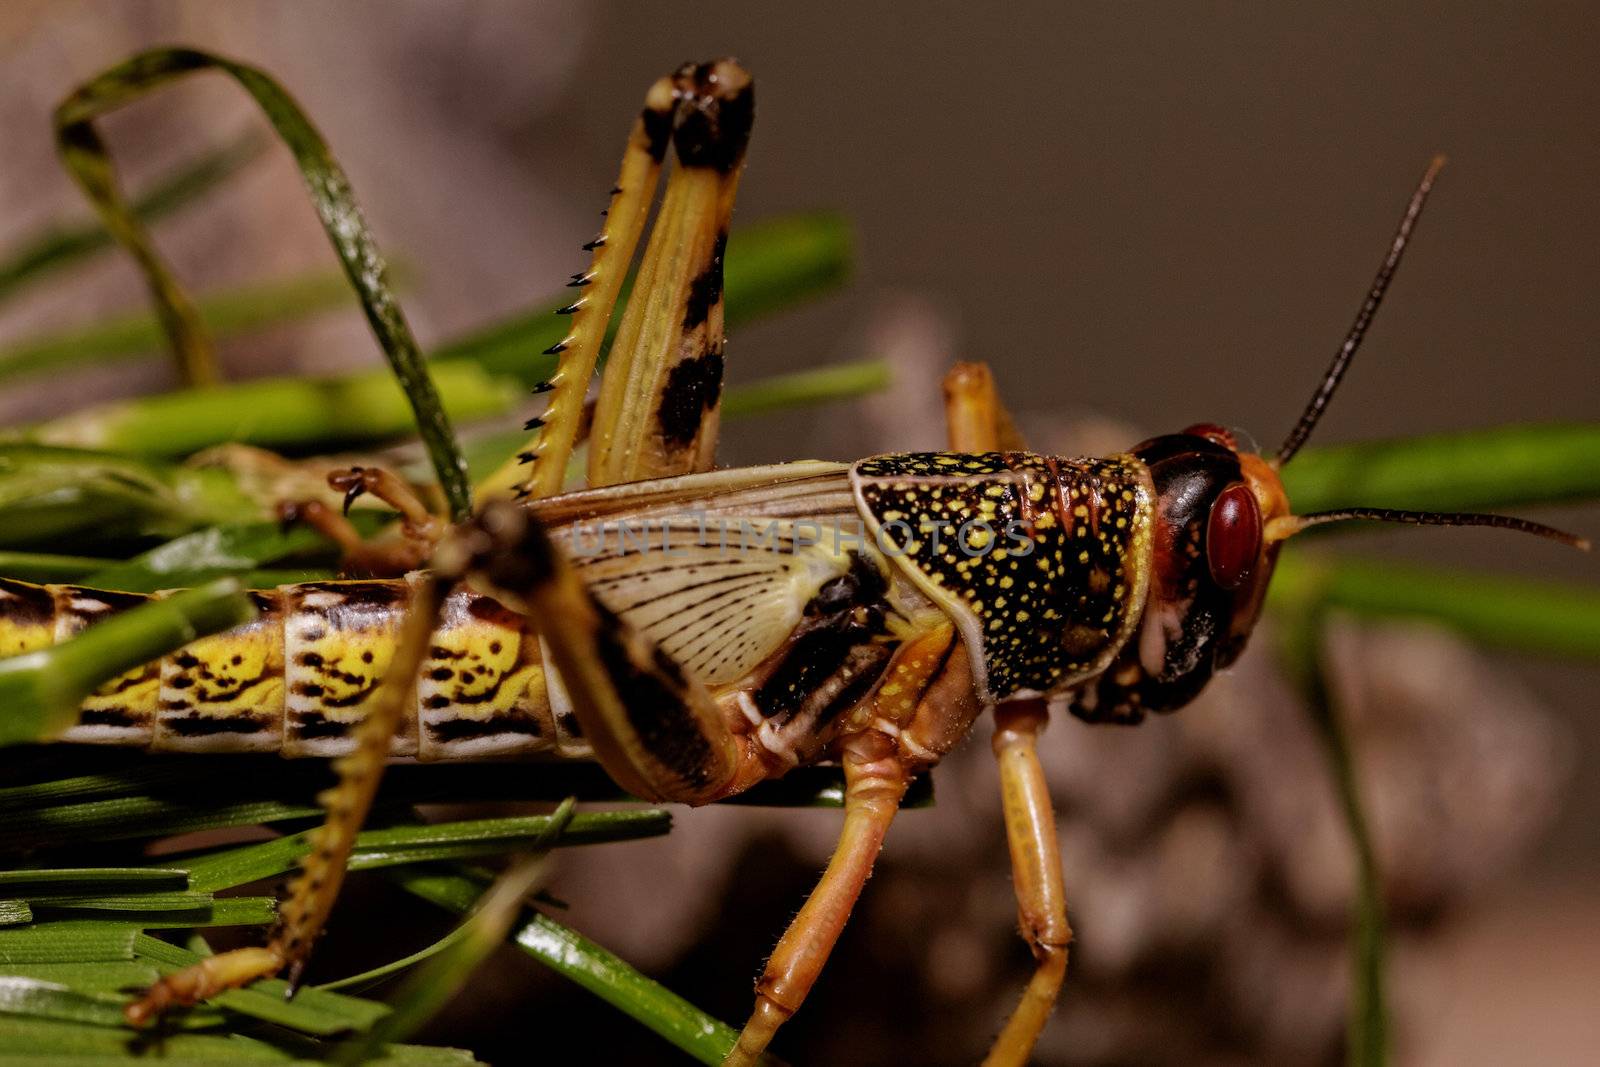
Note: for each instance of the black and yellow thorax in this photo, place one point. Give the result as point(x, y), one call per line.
point(1043, 562)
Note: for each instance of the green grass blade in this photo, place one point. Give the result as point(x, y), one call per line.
point(367, 979)
point(227, 313)
point(45, 567)
point(128, 818)
point(1504, 467)
point(1523, 615)
point(391, 846)
point(40, 692)
point(103, 977)
point(227, 911)
point(67, 942)
point(135, 777)
point(49, 1000)
point(278, 413)
point(145, 902)
point(67, 881)
point(785, 392)
point(50, 495)
point(701, 1036)
point(331, 195)
point(64, 1044)
point(61, 244)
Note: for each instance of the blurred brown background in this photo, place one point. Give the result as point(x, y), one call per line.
point(1148, 213)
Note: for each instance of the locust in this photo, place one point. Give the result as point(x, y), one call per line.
point(699, 630)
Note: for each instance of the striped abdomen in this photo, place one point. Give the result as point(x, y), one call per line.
point(301, 675)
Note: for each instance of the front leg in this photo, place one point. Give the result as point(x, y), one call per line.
point(875, 781)
point(420, 529)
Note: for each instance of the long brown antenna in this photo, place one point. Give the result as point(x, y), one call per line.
point(1288, 526)
point(1358, 330)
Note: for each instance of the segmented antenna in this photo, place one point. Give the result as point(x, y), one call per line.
point(1288, 526)
point(1358, 330)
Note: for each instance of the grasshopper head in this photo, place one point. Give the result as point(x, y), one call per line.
point(1210, 565)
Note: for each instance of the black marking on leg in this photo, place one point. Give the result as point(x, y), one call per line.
point(716, 108)
point(653, 698)
point(657, 129)
point(693, 388)
point(706, 288)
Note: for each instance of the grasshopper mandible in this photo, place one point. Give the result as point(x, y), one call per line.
point(698, 631)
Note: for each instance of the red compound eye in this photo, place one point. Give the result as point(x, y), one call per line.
point(1233, 536)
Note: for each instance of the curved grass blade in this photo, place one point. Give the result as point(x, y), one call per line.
point(40, 691)
point(61, 244)
point(483, 930)
point(331, 195)
point(444, 975)
point(602, 973)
